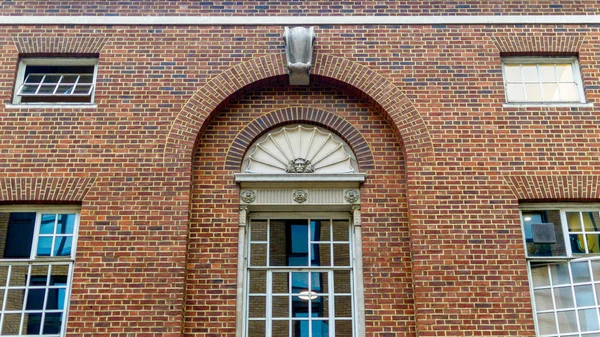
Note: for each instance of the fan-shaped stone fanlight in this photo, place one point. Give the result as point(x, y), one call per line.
point(299, 149)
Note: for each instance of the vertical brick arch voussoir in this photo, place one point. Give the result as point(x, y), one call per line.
point(397, 108)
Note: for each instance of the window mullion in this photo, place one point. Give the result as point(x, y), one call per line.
point(269, 304)
point(572, 285)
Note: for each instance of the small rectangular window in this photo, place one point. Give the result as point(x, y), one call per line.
point(542, 80)
point(56, 80)
point(36, 264)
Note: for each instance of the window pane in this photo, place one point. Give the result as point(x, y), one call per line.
point(319, 282)
point(256, 329)
point(574, 222)
point(18, 276)
point(533, 92)
point(258, 231)
point(340, 230)
point(32, 78)
point(257, 306)
point(564, 298)
point(11, 324)
point(530, 73)
point(35, 299)
point(588, 319)
point(47, 223)
point(320, 306)
point(69, 79)
point(62, 246)
point(29, 89)
point(52, 323)
point(278, 248)
point(341, 255)
point(547, 73)
point(86, 79)
point(20, 228)
point(546, 323)
point(82, 89)
point(581, 272)
point(33, 323)
point(593, 243)
point(258, 281)
point(258, 255)
point(299, 282)
point(59, 274)
point(341, 281)
point(569, 92)
point(567, 321)
point(56, 299)
point(515, 93)
point(44, 246)
point(52, 79)
point(281, 306)
point(46, 90)
point(66, 224)
point(15, 299)
point(512, 72)
point(550, 92)
point(280, 283)
point(560, 274)
point(540, 276)
point(343, 328)
point(320, 329)
point(565, 72)
point(320, 230)
point(584, 295)
point(543, 299)
point(280, 328)
point(321, 254)
point(343, 306)
point(299, 238)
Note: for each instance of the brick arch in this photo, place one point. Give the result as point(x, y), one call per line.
point(46, 189)
point(396, 107)
point(554, 187)
point(259, 126)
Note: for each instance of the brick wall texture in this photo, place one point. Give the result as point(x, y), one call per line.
point(152, 163)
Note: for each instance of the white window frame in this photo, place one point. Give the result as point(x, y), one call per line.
point(544, 60)
point(54, 61)
point(355, 318)
point(44, 261)
point(566, 261)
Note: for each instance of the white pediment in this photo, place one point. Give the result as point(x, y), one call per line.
point(299, 149)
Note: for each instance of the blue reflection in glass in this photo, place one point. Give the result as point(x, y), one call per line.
point(66, 223)
point(62, 246)
point(47, 224)
point(44, 246)
point(320, 329)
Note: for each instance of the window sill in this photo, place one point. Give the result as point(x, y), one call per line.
point(547, 105)
point(51, 106)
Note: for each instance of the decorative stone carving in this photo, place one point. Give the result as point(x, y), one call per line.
point(298, 51)
point(299, 165)
point(352, 196)
point(299, 149)
point(300, 196)
point(248, 196)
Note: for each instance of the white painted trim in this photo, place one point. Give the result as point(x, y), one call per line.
point(299, 177)
point(300, 20)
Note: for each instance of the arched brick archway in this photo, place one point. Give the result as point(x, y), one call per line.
point(402, 115)
point(308, 115)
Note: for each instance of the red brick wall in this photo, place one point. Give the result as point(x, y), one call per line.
point(450, 164)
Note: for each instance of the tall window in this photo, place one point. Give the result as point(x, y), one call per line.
point(299, 277)
point(38, 250)
point(562, 246)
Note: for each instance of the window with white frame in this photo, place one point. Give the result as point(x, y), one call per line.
point(300, 276)
point(56, 80)
point(38, 250)
point(562, 246)
point(542, 80)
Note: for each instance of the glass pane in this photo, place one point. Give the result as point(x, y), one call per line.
point(83, 89)
point(59, 275)
point(533, 92)
point(343, 328)
point(66, 224)
point(47, 224)
point(256, 306)
point(35, 299)
point(46, 90)
point(280, 328)
point(44, 246)
point(343, 306)
point(341, 255)
point(69, 79)
point(18, 276)
point(300, 329)
point(565, 72)
point(341, 279)
point(281, 306)
point(258, 254)
point(564, 298)
point(567, 321)
point(319, 282)
point(256, 329)
point(598, 293)
point(299, 238)
point(32, 78)
point(52, 79)
point(258, 281)
point(280, 283)
point(577, 243)
point(320, 329)
point(321, 254)
point(3, 275)
point(258, 231)
point(588, 319)
point(596, 269)
point(512, 72)
point(569, 92)
point(64, 90)
point(574, 222)
point(515, 93)
point(560, 273)
point(85, 79)
point(278, 248)
point(299, 282)
point(530, 73)
point(32, 323)
point(11, 324)
point(550, 92)
point(593, 243)
point(547, 73)
point(56, 299)
point(584, 296)
point(320, 306)
point(581, 272)
point(341, 230)
point(62, 246)
point(540, 276)
point(547, 323)
point(29, 89)
point(543, 299)
point(15, 299)
point(320, 230)
point(1, 299)
point(52, 323)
